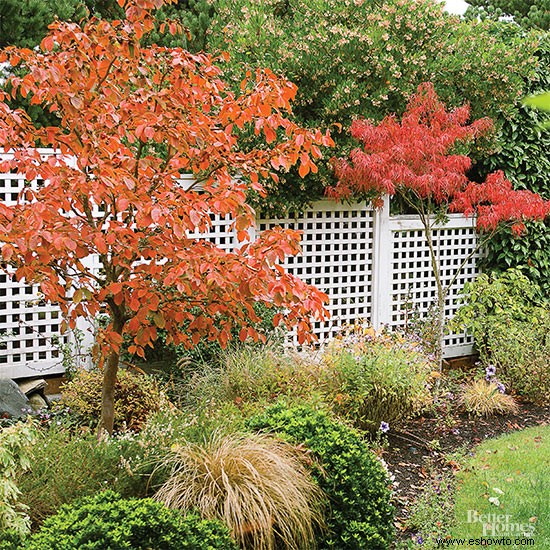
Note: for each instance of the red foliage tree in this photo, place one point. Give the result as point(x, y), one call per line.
point(131, 120)
point(415, 158)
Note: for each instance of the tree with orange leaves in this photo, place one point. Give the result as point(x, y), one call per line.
point(131, 121)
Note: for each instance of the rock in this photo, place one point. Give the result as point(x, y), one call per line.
point(38, 402)
point(34, 390)
point(12, 399)
point(34, 385)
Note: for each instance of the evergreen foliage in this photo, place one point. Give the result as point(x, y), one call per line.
point(107, 521)
point(353, 479)
point(527, 13)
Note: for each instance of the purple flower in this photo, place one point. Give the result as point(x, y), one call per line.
point(501, 388)
point(419, 539)
point(384, 427)
point(490, 371)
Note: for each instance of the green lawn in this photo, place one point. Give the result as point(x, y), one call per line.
point(505, 491)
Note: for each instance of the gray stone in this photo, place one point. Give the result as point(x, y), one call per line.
point(12, 399)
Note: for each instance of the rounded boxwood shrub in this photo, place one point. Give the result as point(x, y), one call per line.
point(360, 515)
point(106, 521)
point(136, 397)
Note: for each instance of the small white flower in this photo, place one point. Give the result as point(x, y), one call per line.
point(498, 491)
point(495, 501)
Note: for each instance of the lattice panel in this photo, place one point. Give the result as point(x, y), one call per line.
point(336, 258)
point(220, 233)
point(413, 284)
point(30, 338)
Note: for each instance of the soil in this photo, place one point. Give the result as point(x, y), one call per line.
point(424, 448)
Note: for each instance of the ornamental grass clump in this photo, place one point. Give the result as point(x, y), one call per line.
point(487, 397)
point(255, 484)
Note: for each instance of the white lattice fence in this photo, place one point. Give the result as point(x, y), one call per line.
point(371, 265)
point(374, 266)
point(30, 338)
point(406, 285)
point(337, 258)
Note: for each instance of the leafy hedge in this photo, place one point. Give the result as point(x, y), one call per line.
point(106, 521)
point(353, 479)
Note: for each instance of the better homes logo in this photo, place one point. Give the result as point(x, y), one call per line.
point(500, 525)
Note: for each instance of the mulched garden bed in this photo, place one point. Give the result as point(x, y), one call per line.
point(424, 447)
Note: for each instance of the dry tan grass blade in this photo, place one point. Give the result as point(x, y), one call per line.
point(256, 484)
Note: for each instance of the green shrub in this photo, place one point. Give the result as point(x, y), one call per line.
point(372, 377)
point(16, 442)
point(10, 540)
point(375, 54)
point(511, 329)
point(360, 514)
point(136, 397)
point(106, 521)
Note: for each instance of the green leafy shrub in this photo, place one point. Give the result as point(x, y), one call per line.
point(360, 514)
point(10, 540)
point(105, 520)
point(136, 397)
point(372, 377)
point(522, 153)
point(511, 329)
point(16, 442)
point(375, 54)
point(254, 483)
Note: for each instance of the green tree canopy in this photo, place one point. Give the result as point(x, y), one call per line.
point(527, 13)
point(25, 22)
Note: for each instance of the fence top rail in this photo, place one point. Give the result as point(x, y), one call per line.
point(412, 223)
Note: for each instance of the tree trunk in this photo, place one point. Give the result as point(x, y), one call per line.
point(441, 292)
point(110, 371)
